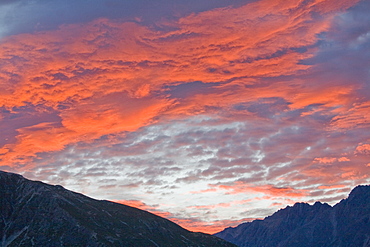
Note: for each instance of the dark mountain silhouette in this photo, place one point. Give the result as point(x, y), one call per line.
point(37, 214)
point(347, 224)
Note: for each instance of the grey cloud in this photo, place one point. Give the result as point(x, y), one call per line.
point(107, 180)
point(24, 116)
point(258, 213)
point(265, 107)
point(107, 186)
point(130, 185)
point(344, 50)
point(190, 89)
point(330, 200)
point(25, 16)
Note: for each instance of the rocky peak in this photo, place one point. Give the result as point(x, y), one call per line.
point(359, 192)
point(345, 224)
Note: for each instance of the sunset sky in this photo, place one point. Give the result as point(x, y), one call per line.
point(208, 113)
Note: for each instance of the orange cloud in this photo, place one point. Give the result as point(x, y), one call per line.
point(352, 168)
point(223, 205)
point(357, 116)
point(106, 77)
point(136, 204)
point(343, 159)
point(241, 187)
point(330, 160)
point(44, 137)
point(209, 227)
point(194, 225)
point(325, 160)
point(152, 209)
point(85, 122)
point(363, 149)
point(354, 174)
point(113, 113)
point(332, 186)
point(102, 79)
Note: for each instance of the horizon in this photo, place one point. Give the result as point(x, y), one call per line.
point(209, 114)
point(160, 214)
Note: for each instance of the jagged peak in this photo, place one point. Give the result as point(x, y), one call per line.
point(358, 192)
point(359, 189)
point(301, 204)
point(346, 222)
point(321, 204)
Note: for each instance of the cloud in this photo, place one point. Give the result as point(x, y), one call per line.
point(223, 205)
point(210, 227)
point(136, 204)
point(191, 224)
point(240, 187)
point(257, 98)
point(22, 16)
point(363, 149)
point(325, 160)
point(88, 72)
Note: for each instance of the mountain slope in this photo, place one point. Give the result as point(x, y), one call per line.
point(37, 214)
point(347, 224)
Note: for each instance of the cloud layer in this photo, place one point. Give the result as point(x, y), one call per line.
point(217, 116)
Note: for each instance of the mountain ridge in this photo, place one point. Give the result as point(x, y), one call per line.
point(346, 224)
point(34, 213)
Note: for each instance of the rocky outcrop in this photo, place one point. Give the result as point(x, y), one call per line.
point(347, 224)
point(37, 214)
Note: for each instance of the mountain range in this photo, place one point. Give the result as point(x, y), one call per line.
point(33, 213)
point(346, 224)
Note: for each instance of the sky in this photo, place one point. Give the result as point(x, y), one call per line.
point(208, 113)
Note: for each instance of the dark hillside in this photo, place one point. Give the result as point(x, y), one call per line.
point(347, 224)
point(37, 214)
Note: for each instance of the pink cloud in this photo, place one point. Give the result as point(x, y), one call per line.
point(241, 187)
point(363, 149)
point(265, 98)
point(191, 224)
point(107, 72)
point(325, 160)
point(223, 205)
point(332, 186)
